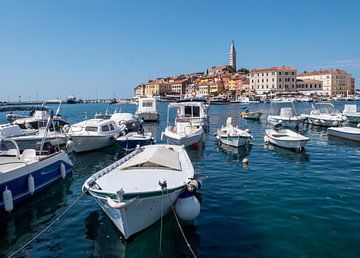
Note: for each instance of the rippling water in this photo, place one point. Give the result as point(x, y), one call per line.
point(283, 204)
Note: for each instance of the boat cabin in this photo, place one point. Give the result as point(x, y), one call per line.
point(94, 127)
point(146, 105)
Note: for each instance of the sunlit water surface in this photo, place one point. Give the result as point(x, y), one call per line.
point(283, 204)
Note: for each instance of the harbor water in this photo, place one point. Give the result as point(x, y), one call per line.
point(282, 204)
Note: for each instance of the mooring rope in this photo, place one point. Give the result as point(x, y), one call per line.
point(178, 223)
point(48, 227)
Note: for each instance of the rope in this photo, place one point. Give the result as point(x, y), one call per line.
point(161, 222)
point(48, 227)
point(178, 223)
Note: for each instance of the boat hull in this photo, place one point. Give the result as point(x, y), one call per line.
point(344, 133)
point(186, 140)
point(235, 141)
point(352, 118)
point(324, 122)
point(296, 144)
point(45, 173)
point(251, 115)
point(130, 144)
point(140, 214)
point(88, 143)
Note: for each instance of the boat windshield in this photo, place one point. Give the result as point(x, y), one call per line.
point(325, 108)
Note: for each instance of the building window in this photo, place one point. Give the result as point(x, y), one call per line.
point(279, 73)
point(293, 73)
point(286, 73)
point(279, 79)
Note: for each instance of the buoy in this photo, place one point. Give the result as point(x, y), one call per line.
point(62, 170)
point(31, 184)
point(245, 161)
point(8, 200)
point(187, 207)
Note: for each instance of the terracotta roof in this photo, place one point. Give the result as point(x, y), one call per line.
point(282, 68)
point(320, 72)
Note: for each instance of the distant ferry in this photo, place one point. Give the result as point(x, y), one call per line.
point(71, 100)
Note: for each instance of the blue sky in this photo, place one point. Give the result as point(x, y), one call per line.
point(88, 48)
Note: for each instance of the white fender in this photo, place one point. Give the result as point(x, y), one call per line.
point(62, 170)
point(8, 200)
point(31, 184)
point(187, 208)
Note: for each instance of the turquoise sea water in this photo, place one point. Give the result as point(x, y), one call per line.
point(283, 204)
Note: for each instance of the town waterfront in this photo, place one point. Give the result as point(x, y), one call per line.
point(282, 204)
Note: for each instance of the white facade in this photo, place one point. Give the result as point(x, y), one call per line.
point(275, 80)
point(334, 82)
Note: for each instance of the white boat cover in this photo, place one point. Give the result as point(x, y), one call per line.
point(155, 157)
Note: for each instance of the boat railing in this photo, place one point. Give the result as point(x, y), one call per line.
point(88, 183)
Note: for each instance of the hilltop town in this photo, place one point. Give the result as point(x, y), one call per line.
point(229, 82)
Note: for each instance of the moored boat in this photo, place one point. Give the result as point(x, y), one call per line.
point(286, 138)
point(131, 140)
point(233, 136)
point(347, 133)
point(136, 191)
point(146, 110)
point(24, 174)
point(324, 114)
point(351, 113)
point(93, 134)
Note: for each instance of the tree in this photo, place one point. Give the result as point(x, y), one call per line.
point(243, 70)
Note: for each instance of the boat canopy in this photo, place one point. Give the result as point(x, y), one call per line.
point(155, 157)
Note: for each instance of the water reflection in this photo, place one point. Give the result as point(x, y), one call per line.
point(289, 154)
point(107, 241)
point(28, 216)
point(234, 154)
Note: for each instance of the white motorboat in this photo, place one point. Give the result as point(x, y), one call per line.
point(38, 118)
point(347, 133)
point(30, 138)
point(233, 136)
point(323, 114)
point(351, 113)
point(93, 134)
point(23, 175)
point(286, 138)
point(146, 110)
point(194, 109)
point(287, 117)
point(251, 115)
point(183, 133)
point(131, 140)
point(136, 191)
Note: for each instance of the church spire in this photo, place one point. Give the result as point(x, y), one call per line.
point(233, 56)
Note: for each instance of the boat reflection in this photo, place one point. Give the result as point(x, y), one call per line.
point(108, 242)
point(335, 141)
point(235, 154)
point(289, 154)
point(28, 216)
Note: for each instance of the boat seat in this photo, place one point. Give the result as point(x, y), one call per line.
point(28, 155)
